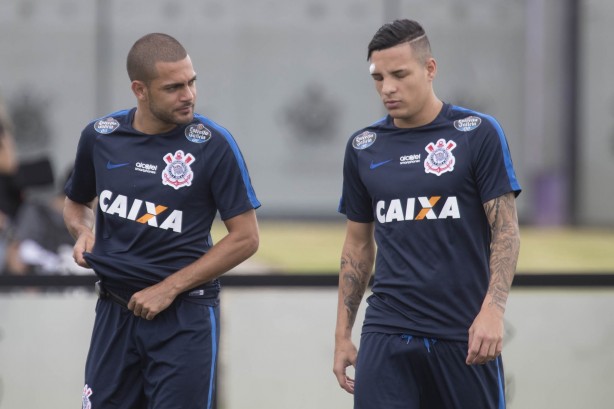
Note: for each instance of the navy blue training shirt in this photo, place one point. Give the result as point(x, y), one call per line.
point(157, 194)
point(424, 188)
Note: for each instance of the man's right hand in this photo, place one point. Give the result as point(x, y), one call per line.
point(345, 356)
point(85, 243)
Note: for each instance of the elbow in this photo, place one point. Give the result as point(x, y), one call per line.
point(243, 234)
point(247, 245)
point(515, 239)
point(252, 242)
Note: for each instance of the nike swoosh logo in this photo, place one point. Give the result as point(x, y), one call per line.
point(378, 164)
point(111, 165)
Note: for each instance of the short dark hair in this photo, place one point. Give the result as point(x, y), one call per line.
point(149, 49)
point(399, 32)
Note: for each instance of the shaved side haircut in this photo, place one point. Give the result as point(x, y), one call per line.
point(147, 51)
point(399, 32)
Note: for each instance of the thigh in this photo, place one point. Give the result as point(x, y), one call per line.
point(180, 347)
point(385, 373)
point(113, 367)
point(466, 386)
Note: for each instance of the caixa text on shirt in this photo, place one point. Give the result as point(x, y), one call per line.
point(140, 211)
point(397, 211)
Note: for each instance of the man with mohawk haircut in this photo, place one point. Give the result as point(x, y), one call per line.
point(431, 188)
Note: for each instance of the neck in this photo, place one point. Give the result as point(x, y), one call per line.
point(427, 114)
point(148, 124)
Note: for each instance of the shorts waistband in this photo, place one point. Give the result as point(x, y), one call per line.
point(122, 296)
point(103, 292)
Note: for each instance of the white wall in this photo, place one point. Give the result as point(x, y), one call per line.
point(288, 79)
point(277, 348)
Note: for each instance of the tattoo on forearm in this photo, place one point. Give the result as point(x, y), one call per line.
point(354, 280)
point(504, 247)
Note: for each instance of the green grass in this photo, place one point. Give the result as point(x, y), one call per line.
point(562, 250)
point(314, 247)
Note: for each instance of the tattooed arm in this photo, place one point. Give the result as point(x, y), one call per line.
point(486, 332)
point(356, 266)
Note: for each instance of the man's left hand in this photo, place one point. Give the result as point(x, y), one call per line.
point(486, 336)
point(150, 301)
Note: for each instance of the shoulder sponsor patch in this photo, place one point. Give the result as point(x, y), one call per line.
point(467, 124)
point(197, 133)
point(106, 125)
point(364, 140)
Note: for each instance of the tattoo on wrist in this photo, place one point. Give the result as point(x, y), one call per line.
point(354, 280)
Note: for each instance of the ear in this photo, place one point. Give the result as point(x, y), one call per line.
point(139, 89)
point(431, 68)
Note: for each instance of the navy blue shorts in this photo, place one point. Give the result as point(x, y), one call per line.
point(168, 362)
point(395, 371)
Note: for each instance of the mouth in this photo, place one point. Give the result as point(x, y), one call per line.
point(392, 103)
point(186, 109)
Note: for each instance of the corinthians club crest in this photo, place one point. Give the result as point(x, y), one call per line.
point(178, 172)
point(440, 159)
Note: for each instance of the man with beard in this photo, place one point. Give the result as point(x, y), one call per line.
point(159, 173)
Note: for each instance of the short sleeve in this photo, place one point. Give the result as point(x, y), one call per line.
point(81, 185)
point(493, 165)
point(355, 203)
point(231, 184)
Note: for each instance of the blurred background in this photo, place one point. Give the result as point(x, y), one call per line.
point(290, 81)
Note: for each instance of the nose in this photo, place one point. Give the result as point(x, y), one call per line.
point(188, 94)
point(388, 86)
